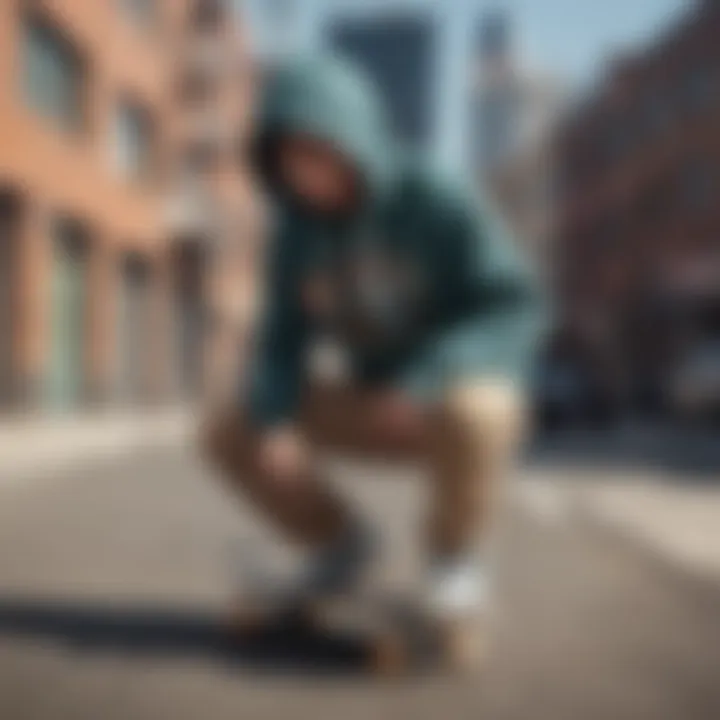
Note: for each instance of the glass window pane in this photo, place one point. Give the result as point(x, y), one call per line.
point(133, 152)
point(142, 12)
point(53, 75)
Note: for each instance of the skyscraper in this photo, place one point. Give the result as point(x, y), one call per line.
point(494, 38)
point(496, 100)
point(399, 52)
point(512, 106)
point(513, 111)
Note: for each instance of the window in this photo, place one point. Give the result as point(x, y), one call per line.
point(144, 13)
point(699, 184)
point(53, 75)
point(208, 14)
point(193, 88)
point(607, 236)
point(136, 288)
point(11, 218)
point(617, 139)
point(659, 113)
point(653, 206)
point(66, 380)
point(199, 160)
point(133, 140)
point(700, 87)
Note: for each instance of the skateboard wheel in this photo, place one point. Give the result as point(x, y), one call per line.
point(246, 617)
point(311, 614)
point(465, 650)
point(390, 656)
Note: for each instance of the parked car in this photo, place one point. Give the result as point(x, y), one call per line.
point(694, 387)
point(564, 395)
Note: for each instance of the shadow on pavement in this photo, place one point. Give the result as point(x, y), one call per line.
point(287, 647)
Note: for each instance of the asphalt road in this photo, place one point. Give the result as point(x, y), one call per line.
point(114, 583)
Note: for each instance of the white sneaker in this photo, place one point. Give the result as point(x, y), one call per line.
point(457, 587)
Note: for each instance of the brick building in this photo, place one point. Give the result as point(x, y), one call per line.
point(213, 219)
point(107, 270)
point(638, 235)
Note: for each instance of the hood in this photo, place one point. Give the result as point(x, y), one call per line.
point(330, 99)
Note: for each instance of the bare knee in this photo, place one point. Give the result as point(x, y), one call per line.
point(247, 457)
point(483, 413)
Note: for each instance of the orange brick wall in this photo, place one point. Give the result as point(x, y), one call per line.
point(58, 173)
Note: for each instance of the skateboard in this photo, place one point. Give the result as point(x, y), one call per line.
point(396, 635)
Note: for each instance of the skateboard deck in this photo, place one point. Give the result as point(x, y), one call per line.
point(397, 636)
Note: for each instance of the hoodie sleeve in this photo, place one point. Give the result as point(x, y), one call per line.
point(492, 312)
point(275, 375)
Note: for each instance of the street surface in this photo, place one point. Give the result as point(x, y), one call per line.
point(114, 581)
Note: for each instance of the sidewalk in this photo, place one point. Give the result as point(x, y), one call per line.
point(669, 514)
point(32, 446)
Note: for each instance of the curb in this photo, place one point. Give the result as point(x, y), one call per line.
point(29, 450)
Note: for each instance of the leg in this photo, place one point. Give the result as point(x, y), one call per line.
point(475, 440)
point(477, 433)
point(302, 507)
point(469, 441)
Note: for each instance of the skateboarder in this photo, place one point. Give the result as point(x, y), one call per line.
point(437, 322)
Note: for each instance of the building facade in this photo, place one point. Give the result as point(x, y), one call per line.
point(103, 286)
point(638, 233)
point(212, 217)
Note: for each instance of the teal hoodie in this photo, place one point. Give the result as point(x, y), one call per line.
point(427, 289)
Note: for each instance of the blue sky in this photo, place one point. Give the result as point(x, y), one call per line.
point(568, 38)
point(571, 37)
